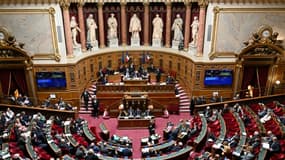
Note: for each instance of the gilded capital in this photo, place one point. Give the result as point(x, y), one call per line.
point(100, 4)
point(203, 3)
point(80, 3)
point(168, 2)
point(188, 3)
point(123, 2)
point(146, 3)
point(64, 4)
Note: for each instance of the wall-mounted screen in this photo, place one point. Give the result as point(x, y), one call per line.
point(51, 79)
point(218, 77)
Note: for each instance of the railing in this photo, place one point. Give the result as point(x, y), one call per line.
point(220, 105)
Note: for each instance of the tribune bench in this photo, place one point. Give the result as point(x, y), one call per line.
point(105, 134)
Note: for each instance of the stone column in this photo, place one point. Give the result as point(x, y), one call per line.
point(238, 80)
point(67, 30)
point(168, 24)
point(187, 25)
point(146, 23)
point(124, 32)
point(101, 24)
point(201, 31)
point(81, 25)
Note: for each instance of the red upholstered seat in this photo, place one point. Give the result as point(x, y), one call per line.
point(278, 156)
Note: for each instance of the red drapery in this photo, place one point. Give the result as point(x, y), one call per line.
point(12, 80)
point(250, 78)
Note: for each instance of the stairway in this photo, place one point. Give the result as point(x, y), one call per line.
point(91, 91)
point(184, 100)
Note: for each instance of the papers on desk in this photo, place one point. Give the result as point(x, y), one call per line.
point(236, 153)
point(68, 135)
point(265, 145)
point(49, 121)
point(163, 83)
point(217, 146)
point(243, 133)
point(50, 141)
point(67, 123)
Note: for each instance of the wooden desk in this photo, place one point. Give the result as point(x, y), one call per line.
point(160, 96)
point(203, 132)
point(135, 81)
point(133, 123)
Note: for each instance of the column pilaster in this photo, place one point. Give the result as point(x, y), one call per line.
point(30, 82)
point(66, 22)
point(168, 24)
point(187, 25)
point(81, 25)
point(146, 24)
point(101, 24)
point(123, 23)
point(201, 32)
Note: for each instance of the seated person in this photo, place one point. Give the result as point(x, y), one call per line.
point(138, 112)
point(275, 147)
point(214, 116)
point(246, 120)
point(131, 112)
point(237, 108)
point(169, 79)
point(208, 112)
point(269, 137)
point(233, 141)
point(247, 153)
point(266, 117)
point(262, 112)
point(177, 146)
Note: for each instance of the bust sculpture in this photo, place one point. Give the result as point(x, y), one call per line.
point(135, 27)
point(177, 28)
point(157, 27)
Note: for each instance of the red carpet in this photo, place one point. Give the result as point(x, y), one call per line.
point(137, 134)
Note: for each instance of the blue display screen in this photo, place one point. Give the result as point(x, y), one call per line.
point(51, 79)
point(218, 77)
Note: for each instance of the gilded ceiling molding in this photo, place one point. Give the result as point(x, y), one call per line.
point(217, 11)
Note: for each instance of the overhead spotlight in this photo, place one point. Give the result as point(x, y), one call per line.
point(277, 82)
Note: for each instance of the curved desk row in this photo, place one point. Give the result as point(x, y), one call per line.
point(242, 140)
point(203, 132)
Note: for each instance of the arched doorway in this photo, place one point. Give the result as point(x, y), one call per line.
point(15, 68)
point(258, 61)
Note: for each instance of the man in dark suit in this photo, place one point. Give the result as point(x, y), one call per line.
point(158, 75)
point(85, 96)
point(95, 105)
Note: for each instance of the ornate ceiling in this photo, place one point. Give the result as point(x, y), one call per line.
point(143, 1)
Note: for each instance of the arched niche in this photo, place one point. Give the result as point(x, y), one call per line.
point(258, 62)
point(16, 67)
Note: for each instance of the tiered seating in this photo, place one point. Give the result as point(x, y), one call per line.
point(242, 140)
point(231, 124)
point(202, 135)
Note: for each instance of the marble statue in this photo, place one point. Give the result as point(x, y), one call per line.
point(74, 30)
point(135, 27)
point(91, 30)
point(177, 28)
point(195, 27)
point(112, 27)
point(157, 27)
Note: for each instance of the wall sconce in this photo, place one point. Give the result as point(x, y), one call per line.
point(277, 82)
